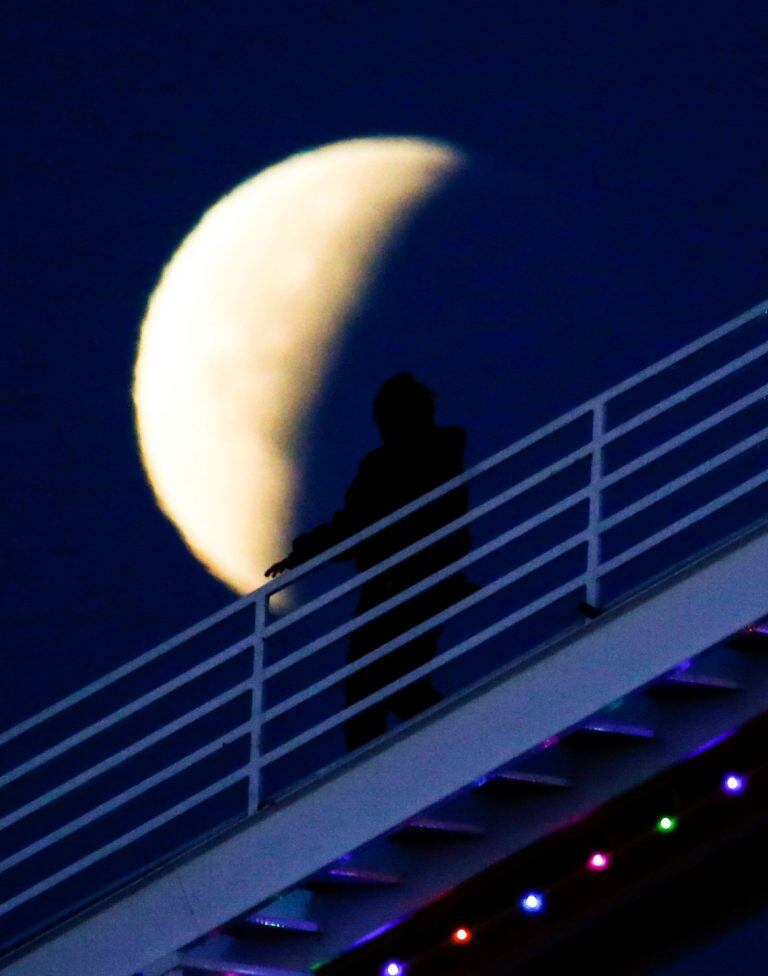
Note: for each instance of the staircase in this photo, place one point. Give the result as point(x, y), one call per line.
point(615, 631)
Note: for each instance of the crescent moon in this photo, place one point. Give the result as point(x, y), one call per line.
point(241, 331)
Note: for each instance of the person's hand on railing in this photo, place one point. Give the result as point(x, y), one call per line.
point(305, 546)
point(280, 567)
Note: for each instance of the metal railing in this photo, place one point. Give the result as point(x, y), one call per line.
point(598, 439)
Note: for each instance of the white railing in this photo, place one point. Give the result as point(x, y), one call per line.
point(599, 436)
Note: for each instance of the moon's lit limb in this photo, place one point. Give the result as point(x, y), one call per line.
point(241, 330)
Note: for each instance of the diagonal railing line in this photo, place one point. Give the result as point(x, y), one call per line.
point(495, 502)
point(706, 467)
point(683, 523)
point(686, 393)
point(134, 749)
point(684, 436)
point(294, 575)
point(436, 620)
point(123, 841)
point(444, 658)
point(328, 555)
point(688, 350)
point(124, 670)
point(599, 482)
point(496, 628)
point(402, 596)
point(478, 512)
point(127, 710)
point(551, 427)
point(120, 799)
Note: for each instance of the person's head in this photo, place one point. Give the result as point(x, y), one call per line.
point(403, 406)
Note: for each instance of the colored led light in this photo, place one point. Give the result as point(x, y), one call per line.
point(666, 824)
point(532, 902)
point(598, 861)
point(733, 783)
point(393, 969)
point(461, 936)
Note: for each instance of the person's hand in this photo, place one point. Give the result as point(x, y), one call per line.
point(277, 568)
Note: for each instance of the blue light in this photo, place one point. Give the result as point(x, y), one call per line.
point(532, 902)
point(393, 968)
point(733, 783)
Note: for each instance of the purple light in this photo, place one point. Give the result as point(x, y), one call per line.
point(548, 743)
point(733, 783)
point(379, 931)
point(393, 969)
point(532, 903)
point(706, 746)
point(598, 861)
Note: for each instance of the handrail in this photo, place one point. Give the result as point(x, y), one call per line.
point(403, 595)
point(429, 623)
point(292, 576)
point(688, 350)
point(125, 669)
point(151, 696)
point(597, 435)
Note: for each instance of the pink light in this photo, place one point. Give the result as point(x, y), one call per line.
point(598, 861)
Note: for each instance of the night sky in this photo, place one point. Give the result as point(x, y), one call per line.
point(617, 202)
point(123, 122)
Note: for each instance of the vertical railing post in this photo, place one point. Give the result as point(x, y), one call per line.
point(257, 694)
point(595, 506)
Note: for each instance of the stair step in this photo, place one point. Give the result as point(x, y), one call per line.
point(280, 924)
point(516, 781)
point(340, 874)
point(597, 732)
point(680, 684)
point(193, 964)
point(425, 828)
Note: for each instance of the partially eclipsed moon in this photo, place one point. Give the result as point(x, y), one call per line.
point(241, 332)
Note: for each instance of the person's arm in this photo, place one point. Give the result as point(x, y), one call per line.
point(347, 521)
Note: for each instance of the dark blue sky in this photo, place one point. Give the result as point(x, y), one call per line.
point(122, 122)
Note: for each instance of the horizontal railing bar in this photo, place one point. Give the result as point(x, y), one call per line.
point(423, 670)
point(686, 393)
point(293, 575)
point(394, 601)
point(127, 753)
point(683, 523)
point(444, 531)
point(426, 625)
point(122, 798)
point(136, 834)
point(684, 436)
point(701, 343)
point(97, 727)
point(101, 683)
point(671, 487)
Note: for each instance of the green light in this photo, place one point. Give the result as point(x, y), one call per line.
point(666, 824)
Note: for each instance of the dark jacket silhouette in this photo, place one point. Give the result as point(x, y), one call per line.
point(416, 455)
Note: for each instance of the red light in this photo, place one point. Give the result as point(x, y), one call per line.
point(461, 936)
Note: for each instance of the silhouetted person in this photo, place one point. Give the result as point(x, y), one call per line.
point(415, 456)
